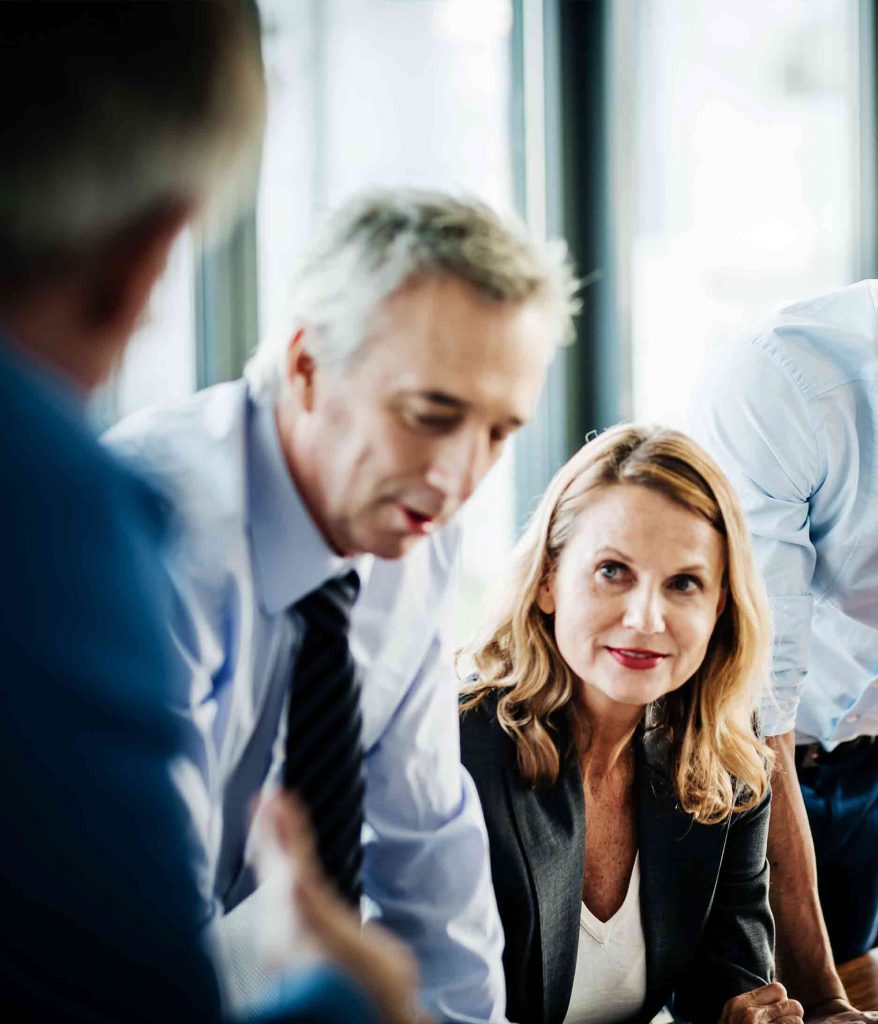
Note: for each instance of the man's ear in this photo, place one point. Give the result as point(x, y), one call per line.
point(123, 269)
point(301, 369)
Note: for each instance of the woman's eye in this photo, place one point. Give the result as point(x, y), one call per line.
point(611, 571)
point(686, 584)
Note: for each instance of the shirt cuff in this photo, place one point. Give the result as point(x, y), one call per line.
point(777, 711)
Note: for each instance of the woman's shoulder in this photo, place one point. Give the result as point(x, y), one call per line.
point(481, 735)
point(478, 712)
point(657, 760)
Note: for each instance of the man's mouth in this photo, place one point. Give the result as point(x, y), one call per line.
point(636, 657)
point(419, 522)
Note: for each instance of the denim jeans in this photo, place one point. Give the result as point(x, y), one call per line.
point(841, 798)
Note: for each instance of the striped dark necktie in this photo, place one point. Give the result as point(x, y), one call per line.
point(324, 756)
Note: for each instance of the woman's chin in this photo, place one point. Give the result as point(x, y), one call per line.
point(623, 693)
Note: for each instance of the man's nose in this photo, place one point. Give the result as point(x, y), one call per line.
point(460, 465)
point(645, 609)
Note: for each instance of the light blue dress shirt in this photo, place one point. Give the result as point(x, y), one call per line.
point(791, 414)
point(247, 550)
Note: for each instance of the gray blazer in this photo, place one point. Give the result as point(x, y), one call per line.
point(703, 890)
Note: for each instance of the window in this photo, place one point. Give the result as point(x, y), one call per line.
point(744, 144)
point(159, 364)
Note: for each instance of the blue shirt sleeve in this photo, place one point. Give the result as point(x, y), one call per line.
point(760, 432)
point(426, 866)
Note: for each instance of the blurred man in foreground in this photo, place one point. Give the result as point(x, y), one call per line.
point(118, 122)
point(420, 331)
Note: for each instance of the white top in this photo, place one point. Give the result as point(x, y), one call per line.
point(610, 980)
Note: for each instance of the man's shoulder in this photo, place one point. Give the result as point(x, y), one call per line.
point(818, 344)
point(57, 478)
point(193, 452)
point(86, 539)
point(47, 446)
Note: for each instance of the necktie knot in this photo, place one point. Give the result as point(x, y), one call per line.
point(329, 606)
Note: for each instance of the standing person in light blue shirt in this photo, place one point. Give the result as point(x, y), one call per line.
point(791, 413)
point(421, 330)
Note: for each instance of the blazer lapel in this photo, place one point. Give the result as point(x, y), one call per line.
point(551, 826)
point(679, 864)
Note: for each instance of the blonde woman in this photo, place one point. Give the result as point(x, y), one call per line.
point(609, 729)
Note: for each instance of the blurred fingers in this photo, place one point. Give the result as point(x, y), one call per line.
point(290, 823)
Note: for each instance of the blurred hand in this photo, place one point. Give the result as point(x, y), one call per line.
point(380, 963)
point(762, 1005)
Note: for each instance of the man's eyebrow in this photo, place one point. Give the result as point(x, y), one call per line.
point(453, 402)
point(439, 398)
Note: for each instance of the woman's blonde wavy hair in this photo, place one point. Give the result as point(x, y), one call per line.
point(719, 764)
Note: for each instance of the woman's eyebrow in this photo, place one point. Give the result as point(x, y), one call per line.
point(701, 568)
point(615, 552)
point(696, 567)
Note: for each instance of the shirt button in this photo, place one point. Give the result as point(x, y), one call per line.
point(852, 718)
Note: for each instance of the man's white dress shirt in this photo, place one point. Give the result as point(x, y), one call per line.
point(245, 551)
point(790, 412)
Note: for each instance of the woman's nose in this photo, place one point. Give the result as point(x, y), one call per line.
point(644, 611)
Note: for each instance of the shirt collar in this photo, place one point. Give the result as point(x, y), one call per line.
point(290, 556)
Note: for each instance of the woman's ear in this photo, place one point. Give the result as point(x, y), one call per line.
point(546, 594)
point(723, 600)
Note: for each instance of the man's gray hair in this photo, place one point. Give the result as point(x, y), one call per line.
point(381, 241)
point(109, 110)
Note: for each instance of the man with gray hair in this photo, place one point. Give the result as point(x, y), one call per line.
point(421, 330)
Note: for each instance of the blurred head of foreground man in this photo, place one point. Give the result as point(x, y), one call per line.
point(420, 329)
point(118, 122)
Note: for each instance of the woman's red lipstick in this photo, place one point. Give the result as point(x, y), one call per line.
point(635, 657)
